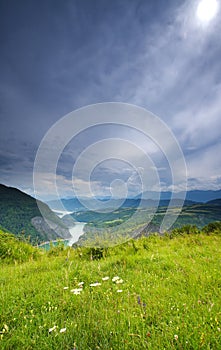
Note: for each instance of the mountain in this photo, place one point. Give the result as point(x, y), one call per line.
point(203, 196)
point(201, 214)
point(69, 204)
point(216, 202)
point(193, 195)
point(20, 214)
point(74, 205)
point(123, 222)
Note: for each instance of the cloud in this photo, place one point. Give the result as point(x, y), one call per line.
point(152, 54)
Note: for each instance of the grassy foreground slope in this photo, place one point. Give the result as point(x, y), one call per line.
point(165, 295)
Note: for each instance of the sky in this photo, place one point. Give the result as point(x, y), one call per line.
point(59, 56)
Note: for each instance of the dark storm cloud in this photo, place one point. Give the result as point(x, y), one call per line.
point(58, 56)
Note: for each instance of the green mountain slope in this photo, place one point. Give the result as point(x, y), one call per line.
point(20, 214)
point(107, 225)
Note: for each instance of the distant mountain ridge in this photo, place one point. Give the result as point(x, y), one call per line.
point(127, 221)
point(201, 196)
point(19, 213)
point(74, 204)
point(148, 199)
point(216, 202)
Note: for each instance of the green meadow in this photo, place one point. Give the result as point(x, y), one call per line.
point(151, 293)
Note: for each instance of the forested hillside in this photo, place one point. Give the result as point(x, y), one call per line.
point(19, 213)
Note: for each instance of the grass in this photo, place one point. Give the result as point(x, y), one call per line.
point(168, 297)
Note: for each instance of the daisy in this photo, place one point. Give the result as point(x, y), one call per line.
point(119, 281)
point(62, 330)
point(76, 291)
point(105, 278)
point(52, 329)
point(115, 278)
point(95, 284)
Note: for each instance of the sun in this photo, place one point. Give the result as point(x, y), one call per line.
point(206, 10)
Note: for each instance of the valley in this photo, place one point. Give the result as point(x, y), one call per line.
point(20, 214)
point(141, 221)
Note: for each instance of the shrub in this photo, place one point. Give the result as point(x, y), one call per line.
point(213, 227)
point(12, 250)
point(187, 229)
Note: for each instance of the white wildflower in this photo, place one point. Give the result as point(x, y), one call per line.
point(175, 336)
point(95, 284)
point(52, 329)
point(115, 278)
point(62, 330)
point(65, 288)
point(119, 281)
point(119, 291)
point(76, 291)
point(6, 327)
point(80, 283)
point(105, 278)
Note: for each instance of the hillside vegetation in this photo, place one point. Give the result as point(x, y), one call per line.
point(15, 249)
point(19, 213)
point(131, 222)
point(151, 293)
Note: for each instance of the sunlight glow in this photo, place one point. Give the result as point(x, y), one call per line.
point(206, 10)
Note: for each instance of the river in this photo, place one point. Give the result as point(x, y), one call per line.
point(76, 231)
